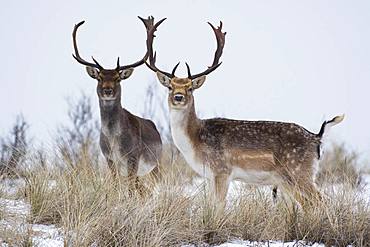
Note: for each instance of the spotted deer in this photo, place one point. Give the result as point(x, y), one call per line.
point(131, 145)
point(257, 152)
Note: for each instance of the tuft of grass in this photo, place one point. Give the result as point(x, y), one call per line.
point(42, 196)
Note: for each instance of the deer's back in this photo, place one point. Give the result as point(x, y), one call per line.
point(269, 135)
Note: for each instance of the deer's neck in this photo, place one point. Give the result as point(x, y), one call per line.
point(185, 127)
point(113, 117)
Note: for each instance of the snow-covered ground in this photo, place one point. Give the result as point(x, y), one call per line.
point(268, 244)
point(14, 214)
point(14, 218)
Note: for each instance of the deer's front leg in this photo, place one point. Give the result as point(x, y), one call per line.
point(107, 152)
point(134, 181)
point(220, 188)
point(112, 168)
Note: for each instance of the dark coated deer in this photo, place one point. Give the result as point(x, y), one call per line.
point(257, 152)
point(131, 145)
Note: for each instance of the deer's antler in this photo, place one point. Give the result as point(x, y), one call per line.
point(77, 54)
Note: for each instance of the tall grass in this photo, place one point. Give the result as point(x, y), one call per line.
point(92, 209)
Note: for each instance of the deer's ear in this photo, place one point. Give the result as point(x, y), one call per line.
point(126, 73)
point(163, 79)
point(198, 82)
point(93, 72)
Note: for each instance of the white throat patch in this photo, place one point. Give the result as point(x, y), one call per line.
point(182, 141)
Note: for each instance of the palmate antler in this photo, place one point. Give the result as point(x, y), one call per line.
point(148, 25)
point(220, 37)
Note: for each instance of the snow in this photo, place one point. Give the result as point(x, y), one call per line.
point(16, 212)
point(47, 235)
point(15, 207)
point(268, 244)
point(11, 186)
point(241, 243)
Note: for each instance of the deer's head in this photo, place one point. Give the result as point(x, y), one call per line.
point(181, 89)
point(109, 87)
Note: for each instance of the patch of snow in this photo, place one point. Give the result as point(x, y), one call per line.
point(241, 243)
point(11, 186)
point(52, 184)
point(46, 232)
point(17, 208)
point(47, 242)
point(16, 212)
point(269, 244)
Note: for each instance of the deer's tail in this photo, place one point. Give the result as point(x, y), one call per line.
point(326, 125)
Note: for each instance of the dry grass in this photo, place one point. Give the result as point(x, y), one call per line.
point(93, 210)
point(339, 166)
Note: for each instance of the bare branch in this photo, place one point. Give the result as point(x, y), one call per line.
point(14, 147)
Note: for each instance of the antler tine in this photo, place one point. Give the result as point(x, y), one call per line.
point(148, 25)
point(153, 57)
point(117, 68)
point(147, 22)
point(77, 54)
point(220, 37)
point(175, 68)
point(96, 62)
point(188, 69)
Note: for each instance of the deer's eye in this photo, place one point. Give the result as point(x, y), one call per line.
point(190, 90)
point(170, 88)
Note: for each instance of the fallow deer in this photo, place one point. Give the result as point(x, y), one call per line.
point(257, 152)
point(131, 145)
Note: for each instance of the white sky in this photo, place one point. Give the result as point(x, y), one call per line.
point(294, 61)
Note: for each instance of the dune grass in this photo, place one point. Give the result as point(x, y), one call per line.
point(92, 209)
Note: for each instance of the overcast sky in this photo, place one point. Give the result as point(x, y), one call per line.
point(293, 61)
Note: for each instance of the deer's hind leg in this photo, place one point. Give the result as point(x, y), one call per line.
point(307, 181)
point(274, 194)
point(297, 167)
point(303, 189)
point(306, 194)
point(149, 170)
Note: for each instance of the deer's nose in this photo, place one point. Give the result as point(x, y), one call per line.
point(108, 91)
point(178, 97)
